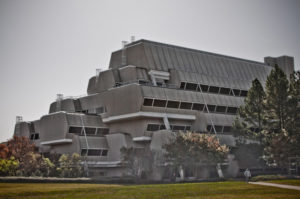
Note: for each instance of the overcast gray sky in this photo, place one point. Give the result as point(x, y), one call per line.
point(54, 46)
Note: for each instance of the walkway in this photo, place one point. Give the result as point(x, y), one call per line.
point(277, 185)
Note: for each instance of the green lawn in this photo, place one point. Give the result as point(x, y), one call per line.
point(288, 182)
point(216, 190)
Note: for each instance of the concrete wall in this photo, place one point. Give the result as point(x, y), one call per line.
point(286, 63)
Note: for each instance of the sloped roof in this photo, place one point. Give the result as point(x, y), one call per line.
point(163, 57)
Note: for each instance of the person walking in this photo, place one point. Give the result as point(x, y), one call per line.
point(247, 175)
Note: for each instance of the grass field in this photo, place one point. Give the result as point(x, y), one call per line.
point(214, 190)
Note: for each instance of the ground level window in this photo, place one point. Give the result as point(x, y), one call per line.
point(153, 127)
point(94, 152)
point(188, 128)
point(178, 128)
point(104, 152)
point(227, 129)
point(209, 128)
point(218, 128)
point(162, 127)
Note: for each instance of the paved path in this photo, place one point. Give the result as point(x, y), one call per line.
point(277, 185)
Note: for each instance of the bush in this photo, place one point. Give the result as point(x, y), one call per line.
point(267, 177)
point(70, 166)
point(8, 167)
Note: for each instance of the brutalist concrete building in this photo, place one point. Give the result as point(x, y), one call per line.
point(149, 91)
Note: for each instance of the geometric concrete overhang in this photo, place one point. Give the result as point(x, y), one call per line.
point(141, 139)
point(148, 114)
point(60, 141)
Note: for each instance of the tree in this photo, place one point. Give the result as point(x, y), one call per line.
point(277, 116)
point(18, 147)
point(253, 110)
point(3, 151)
point(70, 165)
point(193, 149)
point(276, 99)
point(293, 125)
point(140, 161)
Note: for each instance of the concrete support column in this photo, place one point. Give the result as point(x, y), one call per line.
point(153, 80)
point(166, 122)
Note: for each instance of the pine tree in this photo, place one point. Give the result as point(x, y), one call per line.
point(294, 104)
point(253, 110)
point(276, 99)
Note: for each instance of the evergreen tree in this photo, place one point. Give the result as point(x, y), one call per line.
point(294, 104)
point(253, 110)
point(276, 99)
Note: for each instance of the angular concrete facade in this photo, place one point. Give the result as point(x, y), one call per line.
point(149, 91)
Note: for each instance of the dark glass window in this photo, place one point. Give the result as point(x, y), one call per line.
point(75, 130)
point(94, 152)
point(187, 128)
point(160, 103)
point(153, 127)
point(218, 128)
point(191, 86)
point(204, 88)
point(227, 129)
point(160, 84)
point(232, 110)
point(36, 136)
point(178, 128)
point(221, 109)
point(236, 92)
point(182, 85)
point(224, 91)
point(198, 107)
point(104, 152)
point(162, 127)
point(103, 131)
point(205, 109)
point(143, 82)
point(244, 93)
point(83, 152)
point(31, 136)
point(148, 102)
point(90, 131)
point(209, 128)
point(173, 104)
point(211, 108)
point(185, 105)
point(214, 89)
